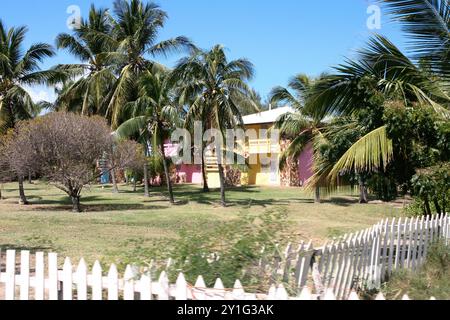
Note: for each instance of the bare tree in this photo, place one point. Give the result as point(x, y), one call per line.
point(17, 158)
point(125, 155)
point(65, 148)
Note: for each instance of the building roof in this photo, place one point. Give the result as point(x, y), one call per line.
point(267, 116)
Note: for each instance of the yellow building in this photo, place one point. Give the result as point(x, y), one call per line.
point(258, 147)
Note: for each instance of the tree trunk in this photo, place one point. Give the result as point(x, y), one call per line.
point(146, 187)
point(317, 195)
point(1, 198)
point(204, 174)
point(30, 178)
point(363, 196)
point(427, 206)
point(223, 201)
point(166, 173)
point(75, 204)
point(437, 206)
point(23, 199)
point(134, 185)
point(114, 182)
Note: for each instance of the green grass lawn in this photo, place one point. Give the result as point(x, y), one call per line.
point(113, 224)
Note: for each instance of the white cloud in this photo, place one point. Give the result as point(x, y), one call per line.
point(41, 94)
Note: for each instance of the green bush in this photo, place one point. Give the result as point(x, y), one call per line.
point(229, 251)
point(432, 280)
point(431, 187)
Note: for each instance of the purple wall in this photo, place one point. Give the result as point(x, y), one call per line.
point(305, 164)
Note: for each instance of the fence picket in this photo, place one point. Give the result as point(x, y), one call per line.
point(384, 248)
point(181, 288)
point(53, 276)
point(97, 282)
point(25, 275)
point(163, 293)
point(306, 265)
point(67, 280)
point(415, 244)
point(39, 292)
point(81, 280)
point(113, 283)
point(391, 247)
point(146, 286)
point(398, 248)
point(128, 285)
point(10, 280)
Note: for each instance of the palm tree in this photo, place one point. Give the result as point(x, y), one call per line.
point(300, 125)
point(19, 69)
point(135, 30)
point(96, 71)
point(153, 113)
point(218, 87)
point(426, 24)
point(381, 69)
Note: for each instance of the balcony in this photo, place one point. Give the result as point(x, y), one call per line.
point(262, 146)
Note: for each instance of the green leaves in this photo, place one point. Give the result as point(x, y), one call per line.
point(426, 23)
point(371, 152)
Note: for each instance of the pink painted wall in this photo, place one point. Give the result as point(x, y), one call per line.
point(190, 172)
point(305, 164)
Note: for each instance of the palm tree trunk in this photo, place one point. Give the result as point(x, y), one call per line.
point(114, 182)
point(363, 196)
point(223, 201)
point(204, 174)
point(317, 195)
point(23, 199)
point(146, 187)
point(166, 172)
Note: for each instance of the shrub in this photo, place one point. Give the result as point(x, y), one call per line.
point(432, 280)
point(230, 251)
point(431, 188)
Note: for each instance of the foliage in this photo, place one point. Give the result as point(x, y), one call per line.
point(432, 280)
point(431, 186)
point(213, 87)
point(230, 251)
point(20, 68)
point(95, 74)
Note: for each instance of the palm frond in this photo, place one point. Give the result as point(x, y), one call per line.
point(371, 152)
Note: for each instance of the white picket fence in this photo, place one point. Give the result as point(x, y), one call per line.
point(336, 270)
point(364, 259)
point(67, 284)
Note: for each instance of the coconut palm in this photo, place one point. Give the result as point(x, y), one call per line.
point(154, 113)
point(218, 87)
point(135, 30)
point(426, 24)
point(95, 73)
point(302, 127)
point(381, 69)
point(18, 70)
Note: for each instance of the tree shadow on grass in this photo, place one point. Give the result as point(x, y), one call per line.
point(342, 201)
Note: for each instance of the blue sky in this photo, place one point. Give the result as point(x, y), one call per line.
point(281, 37)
